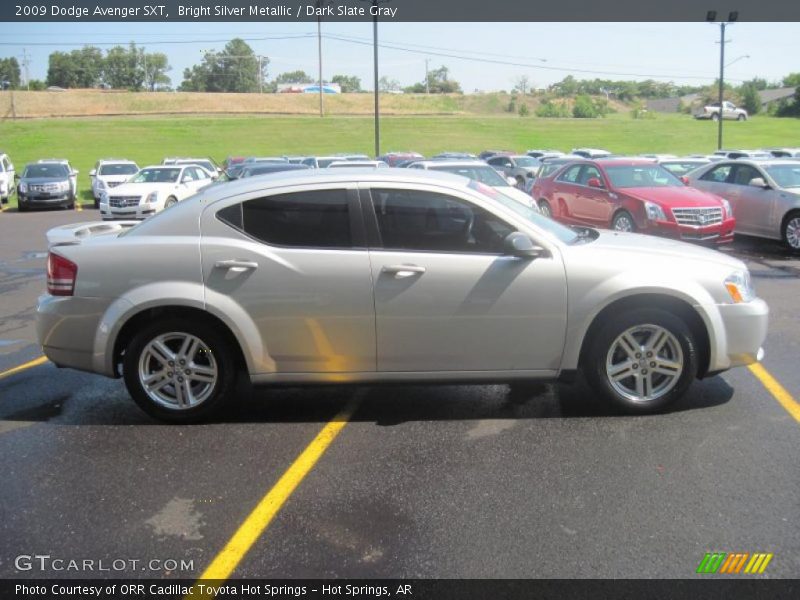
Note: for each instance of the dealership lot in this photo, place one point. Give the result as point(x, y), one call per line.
point(451, 481)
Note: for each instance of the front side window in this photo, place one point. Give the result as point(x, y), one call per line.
point(591, 172)
point(315, 219)
point(433, 222)
point(717, 174)
point(571, 174)
point(743, 175)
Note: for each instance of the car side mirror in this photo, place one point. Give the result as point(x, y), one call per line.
point(684, 179)
point(594, 182)
point(93, 172)
point(759, 182)
point(520, 245)
point(511, 181)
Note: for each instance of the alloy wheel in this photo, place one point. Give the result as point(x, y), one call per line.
point(793, 233)
point(644, 363)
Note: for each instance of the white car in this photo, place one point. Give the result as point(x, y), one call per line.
point(479, 171)
point(364, 164)
point(591, 153)
point(729, 111)
point(73, 173)
point(206, 163)
point(109, 173)
point(151, 190)
point(6, 177)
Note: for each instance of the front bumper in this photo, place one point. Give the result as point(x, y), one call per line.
point(720, 233)
point(740, 337)
point(142, 211)
point(35, 200)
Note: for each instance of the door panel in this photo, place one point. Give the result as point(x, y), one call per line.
point(313, 307)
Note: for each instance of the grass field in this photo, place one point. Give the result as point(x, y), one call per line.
point(148, 139)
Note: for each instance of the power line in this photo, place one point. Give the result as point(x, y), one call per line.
point(163, 42)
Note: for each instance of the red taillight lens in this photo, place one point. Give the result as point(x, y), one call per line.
point(61, 275)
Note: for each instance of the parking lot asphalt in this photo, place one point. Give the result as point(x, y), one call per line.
point(423, 481)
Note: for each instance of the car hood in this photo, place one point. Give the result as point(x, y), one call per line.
point(140, 189)
point(622, 248)
point(674, 197)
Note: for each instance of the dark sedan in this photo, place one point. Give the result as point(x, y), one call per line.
point(45, 185)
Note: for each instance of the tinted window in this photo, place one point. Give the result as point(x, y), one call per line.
point(571, 174)
point(419, 220)
point(718, 174)
point(318, 219)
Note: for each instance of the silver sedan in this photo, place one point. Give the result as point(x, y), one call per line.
point(764, 195)
point(383, 275)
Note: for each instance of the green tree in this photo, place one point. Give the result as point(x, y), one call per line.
point(751, 101)
point(235, 69)
point(584, 108)
point(791, 80)
point(439, 82)
point(77, 69)
point(155, 67)
point(124, 67)
point(347, 83)
point(9, 72)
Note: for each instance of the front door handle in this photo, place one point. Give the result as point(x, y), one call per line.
point(403, 271)
point(236, 266)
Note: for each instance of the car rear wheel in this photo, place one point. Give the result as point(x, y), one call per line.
point(623, 221)
point(544, 208)
point(179, 371)
point(791, 231)
point(741, 118)
point(714, 117)
point(643, 360)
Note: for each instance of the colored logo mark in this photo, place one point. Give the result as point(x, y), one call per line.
point(733, 563)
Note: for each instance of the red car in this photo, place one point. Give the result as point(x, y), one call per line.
point(633, 195)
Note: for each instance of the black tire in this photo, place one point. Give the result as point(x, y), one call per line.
point(96, 203)
point(623, 221)
point(171, 201)
point(604, 340)
point(545, 209)
point(741, 118)
point(222, 356)
point(21, 207)
point(790, 231)
point(714, 117)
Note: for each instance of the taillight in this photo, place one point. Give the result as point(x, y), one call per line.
point(61, 275)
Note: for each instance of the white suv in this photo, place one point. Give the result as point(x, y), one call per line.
point(109, 173)
point(6, 177)
point(151, 190)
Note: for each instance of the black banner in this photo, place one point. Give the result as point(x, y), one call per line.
point(711, 588)
point(397, 10)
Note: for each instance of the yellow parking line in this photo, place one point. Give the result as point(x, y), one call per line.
point(777, 390)
point(262, 515)
point(28, 365)
point(78, 206)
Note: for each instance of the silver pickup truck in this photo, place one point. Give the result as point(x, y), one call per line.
point(729, 111)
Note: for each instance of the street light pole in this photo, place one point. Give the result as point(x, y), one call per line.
point(319, 55)
point(721, 82)
point(377, 96)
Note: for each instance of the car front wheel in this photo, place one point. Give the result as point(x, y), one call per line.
point(544, 208)
point(179, 371)
point(642, 360)
point(791, 231)
point(623, 221)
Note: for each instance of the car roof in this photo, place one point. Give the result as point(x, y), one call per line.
point(625, 161)
point(761, 162)
point(453, 163)
point(122, 161)
point(332, 176)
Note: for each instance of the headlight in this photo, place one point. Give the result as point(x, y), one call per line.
point(23, 187)
point(739, 287)
point(654, 212)
point(101, 185)
point(152, 197)
point(64, 186)
point(727, 207)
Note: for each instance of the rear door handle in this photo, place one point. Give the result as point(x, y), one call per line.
point(403, 271)
point(236, 266)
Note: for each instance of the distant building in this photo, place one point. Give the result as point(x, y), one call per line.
point(670, 105)
point(767, 97)
point(309, 88)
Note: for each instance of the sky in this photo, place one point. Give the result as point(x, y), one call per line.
point(686, 53)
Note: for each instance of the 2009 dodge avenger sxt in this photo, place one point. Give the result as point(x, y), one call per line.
point(386, 276)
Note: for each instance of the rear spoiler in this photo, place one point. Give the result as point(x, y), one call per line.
point(75, 232)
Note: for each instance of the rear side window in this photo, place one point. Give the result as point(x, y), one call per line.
point(315, 219)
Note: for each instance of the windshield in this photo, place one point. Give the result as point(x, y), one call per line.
point(786, 176)
point(46, 170)
point(156, 176)
point(681, 168)
point(485, 174)
point(526, 161)
point(636, 176)
point(566, 235)
point(120, 169)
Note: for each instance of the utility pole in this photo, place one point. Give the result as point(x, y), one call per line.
point(427, 86)
point(711, 17)
point(25, 62)
point(377, 101)
point(319, 52)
